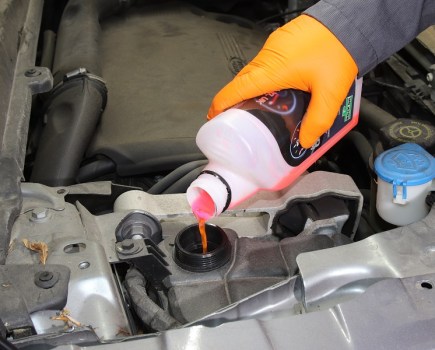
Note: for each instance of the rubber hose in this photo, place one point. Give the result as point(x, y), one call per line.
point(373, 116)
point(95, 169)
point(74, 108)
point(48, 48)
point(420, 58)
point(362, 145)
point(182, 184)
point(78, 36)
point(72, 116)
point(174, 176)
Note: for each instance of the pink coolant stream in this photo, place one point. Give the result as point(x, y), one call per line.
point(255, 146)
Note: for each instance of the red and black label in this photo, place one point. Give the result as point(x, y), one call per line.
point(282, 113)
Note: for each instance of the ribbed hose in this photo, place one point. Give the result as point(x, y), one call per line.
point(150, 313)
point(75, 107)
point(72, 115)
point(79, 36)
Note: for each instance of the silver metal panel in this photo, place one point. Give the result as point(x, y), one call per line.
point(333, 275)
point(93, 297)
point(391, 314)
point(260, 210)
point(283, 298)
point(40, 196)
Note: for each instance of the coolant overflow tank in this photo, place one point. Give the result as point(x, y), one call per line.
point(405, 178)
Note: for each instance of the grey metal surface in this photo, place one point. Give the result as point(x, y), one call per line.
point(329, 277)
point(254, 216)
point(93, 297)
point(193, 295)
point(40, 196)
point(30, 288)
point(333, 275)
point(273, 318)
point(243, 277)
point(19, 30)
point(392, 314)
point(283, 298)
point(65, 336)
point(23, 41)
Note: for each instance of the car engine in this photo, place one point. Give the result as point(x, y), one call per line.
point(101, 103)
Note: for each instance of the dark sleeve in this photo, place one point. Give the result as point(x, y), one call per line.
point(372, 30)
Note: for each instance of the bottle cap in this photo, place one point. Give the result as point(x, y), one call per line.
point(405, 165)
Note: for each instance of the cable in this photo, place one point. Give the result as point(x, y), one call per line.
point(285, 13)
point(388, 85)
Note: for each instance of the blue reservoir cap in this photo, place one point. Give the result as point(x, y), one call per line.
point(408, 164)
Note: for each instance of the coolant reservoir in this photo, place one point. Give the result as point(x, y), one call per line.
point(405, 178)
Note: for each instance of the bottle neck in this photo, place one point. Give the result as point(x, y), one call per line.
point(215, 191)
point(208, 195)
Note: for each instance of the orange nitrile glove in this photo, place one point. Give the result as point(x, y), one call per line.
point(303, 54)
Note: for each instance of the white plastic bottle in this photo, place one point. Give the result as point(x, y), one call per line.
point(255, 146)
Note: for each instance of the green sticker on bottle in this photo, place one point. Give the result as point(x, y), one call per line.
point(346, 111)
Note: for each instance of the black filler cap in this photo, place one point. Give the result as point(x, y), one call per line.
point(408, 131)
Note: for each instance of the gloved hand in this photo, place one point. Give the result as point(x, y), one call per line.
point(303, 54)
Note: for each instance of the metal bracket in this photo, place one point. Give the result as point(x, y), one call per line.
point(39, 79)
point(146, 257)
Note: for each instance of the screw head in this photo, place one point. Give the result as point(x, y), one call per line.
point(429, 77)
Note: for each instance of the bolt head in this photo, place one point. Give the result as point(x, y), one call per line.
point(128, 247)
point(46, 279)
point(32, 72)
point(127, 244)
point(39, 213)
point(84, 265)
point(45, 276)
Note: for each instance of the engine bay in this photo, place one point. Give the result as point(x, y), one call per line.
point(99, 246)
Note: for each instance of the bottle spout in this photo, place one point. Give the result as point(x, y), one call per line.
point(203, 206)
point(208, 195)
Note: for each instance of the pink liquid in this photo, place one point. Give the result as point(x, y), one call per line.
point(203, 208)
point(201, 225)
